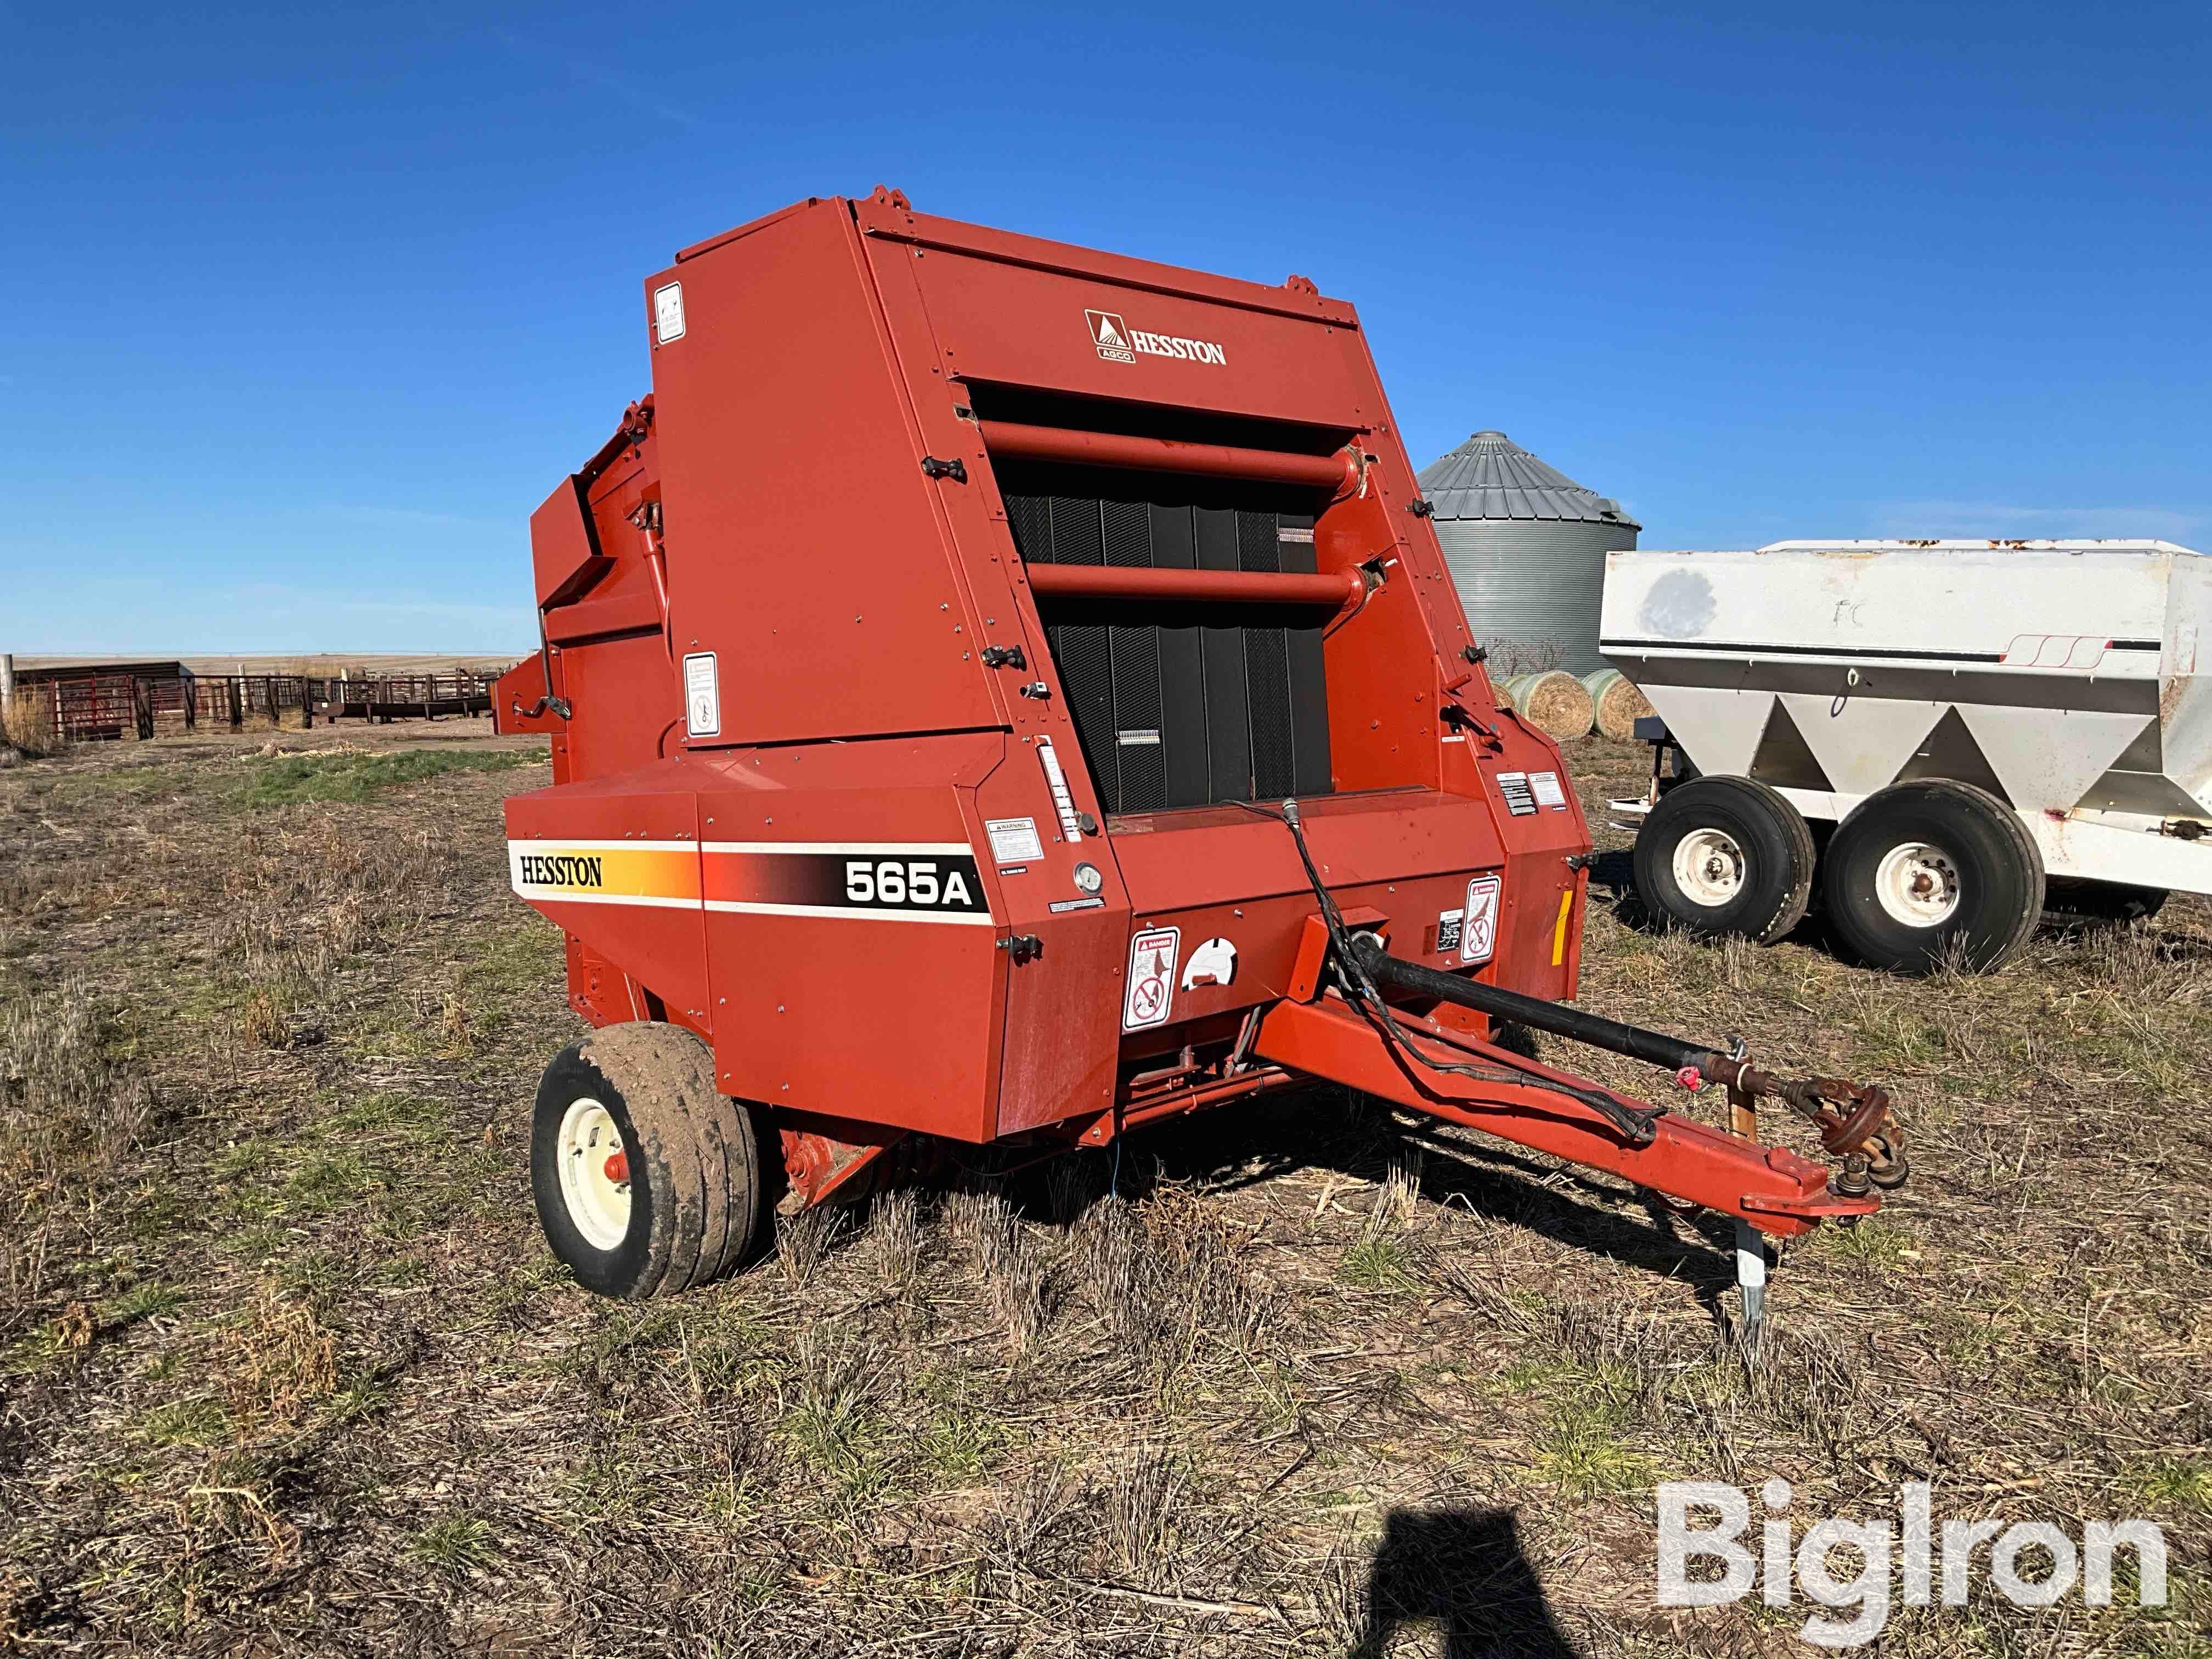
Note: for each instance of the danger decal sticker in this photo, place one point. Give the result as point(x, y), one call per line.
point(703, 695)
point(1520, 799)
point(668, 312)
point(1151, 978)
point(1479, 933)
point(887, 881)
point(1545, 786)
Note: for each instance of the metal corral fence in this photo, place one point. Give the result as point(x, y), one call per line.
point(106, 708)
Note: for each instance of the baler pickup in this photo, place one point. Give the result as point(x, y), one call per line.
point(1003, 693)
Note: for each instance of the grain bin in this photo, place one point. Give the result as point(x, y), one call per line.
point(1525, 547)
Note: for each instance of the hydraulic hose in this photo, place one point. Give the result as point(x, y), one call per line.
point(1654, 1047)
point(1633, 1123)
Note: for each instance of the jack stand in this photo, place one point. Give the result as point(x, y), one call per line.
point(1751, 1279)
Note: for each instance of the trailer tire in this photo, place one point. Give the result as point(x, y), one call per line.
point(687, 1206)
point(1725, 857)
point(2080, 904)
point(1924, 869)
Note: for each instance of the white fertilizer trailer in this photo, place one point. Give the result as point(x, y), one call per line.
point(1948, 734)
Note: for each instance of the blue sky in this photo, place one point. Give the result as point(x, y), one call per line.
point(303, 310)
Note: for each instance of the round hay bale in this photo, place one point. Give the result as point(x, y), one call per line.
point(1620, 705)
point(1554, 703)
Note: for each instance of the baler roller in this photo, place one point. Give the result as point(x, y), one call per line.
point(1339, 473)
point(1340, 589)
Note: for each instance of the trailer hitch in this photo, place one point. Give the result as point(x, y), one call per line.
point(1855, 1120)
point(1363, 1043)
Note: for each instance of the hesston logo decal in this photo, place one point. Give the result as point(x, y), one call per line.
point(1118, 342)
point(562, 870)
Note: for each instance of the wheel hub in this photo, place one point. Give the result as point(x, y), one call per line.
point(1709, 867)
point(1917, 884)
point(594, 1174)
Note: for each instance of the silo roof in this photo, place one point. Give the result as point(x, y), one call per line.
point(1490, 477)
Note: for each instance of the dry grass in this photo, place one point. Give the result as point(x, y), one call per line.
point(283, 1366)
point(27, 724)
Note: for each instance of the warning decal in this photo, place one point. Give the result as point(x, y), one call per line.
point(1520, 799)
point(668, 313)
point(1545, 786)
point(1013, 841)
point(703, 695)
point(1479, 936)
point(1151, 978)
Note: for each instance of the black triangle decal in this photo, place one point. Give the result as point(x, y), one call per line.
point(1950, 752)
point(1782, 760)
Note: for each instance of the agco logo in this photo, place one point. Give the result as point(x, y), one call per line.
point(1118, 342)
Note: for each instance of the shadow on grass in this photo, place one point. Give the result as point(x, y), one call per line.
point(1247, 1142)
point(1463, 1571)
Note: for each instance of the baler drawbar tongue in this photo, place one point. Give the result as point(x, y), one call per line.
point(1365, 1042)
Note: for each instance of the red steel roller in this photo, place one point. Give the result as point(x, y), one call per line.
point(1011, 440)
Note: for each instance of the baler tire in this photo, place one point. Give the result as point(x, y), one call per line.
point(1771, 838)
point(693, 1161)
point(1952, 844)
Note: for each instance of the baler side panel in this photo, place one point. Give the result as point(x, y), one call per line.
point(621, 682)
point(1215, 874)
point(618, 869)
point(1000, 612)
point(1539, 948)
point(887, 1012)
point(803, 543)
point(1382, 713)
point(1063, 1003)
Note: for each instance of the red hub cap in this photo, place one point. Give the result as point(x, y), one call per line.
point(618, 1167)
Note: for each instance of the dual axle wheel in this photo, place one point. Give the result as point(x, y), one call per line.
point(1919, 873)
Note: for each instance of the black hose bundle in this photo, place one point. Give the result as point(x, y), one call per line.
point(1353, 958)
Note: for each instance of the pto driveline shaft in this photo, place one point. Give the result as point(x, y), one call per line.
point(1654, 1047)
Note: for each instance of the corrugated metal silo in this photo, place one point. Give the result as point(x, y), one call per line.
point(1526, 545)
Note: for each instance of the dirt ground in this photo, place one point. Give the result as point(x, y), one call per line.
point(285, 1366)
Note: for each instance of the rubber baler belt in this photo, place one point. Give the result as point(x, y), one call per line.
point(1182, 706)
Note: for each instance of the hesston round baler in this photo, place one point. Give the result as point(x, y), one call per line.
point(1003, 693)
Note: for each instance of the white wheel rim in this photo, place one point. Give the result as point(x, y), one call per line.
point(1918, 884)
point(594, 1174)
point(1709, 867)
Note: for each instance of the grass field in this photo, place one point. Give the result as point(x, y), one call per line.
point(284, 1366)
